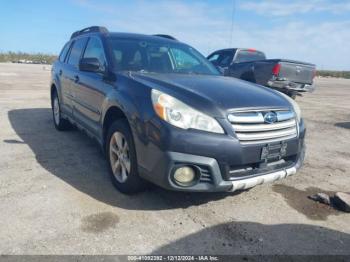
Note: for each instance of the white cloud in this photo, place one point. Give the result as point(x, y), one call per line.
point(286, 8)
point(206, 28)
point(324, 44)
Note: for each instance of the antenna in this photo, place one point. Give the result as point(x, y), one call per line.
point(232, 21)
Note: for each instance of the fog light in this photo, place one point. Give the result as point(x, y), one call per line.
point(184, 175)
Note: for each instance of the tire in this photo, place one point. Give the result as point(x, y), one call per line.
point(121, 159)
point(60, 123)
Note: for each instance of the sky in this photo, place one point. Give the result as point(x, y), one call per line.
point(316, 31)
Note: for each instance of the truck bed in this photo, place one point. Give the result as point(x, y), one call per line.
point(289, 76)
point(295, 71)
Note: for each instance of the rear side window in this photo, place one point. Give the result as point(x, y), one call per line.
point(76, 51)
point(94, 49)
point(213, 58)
point(64, 52)
point(248, 56)
point(223, 58)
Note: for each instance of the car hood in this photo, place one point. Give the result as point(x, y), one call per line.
point(214, 95)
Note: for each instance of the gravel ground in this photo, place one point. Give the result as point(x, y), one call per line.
point(56, 197)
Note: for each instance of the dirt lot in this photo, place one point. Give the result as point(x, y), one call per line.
point(56, 197)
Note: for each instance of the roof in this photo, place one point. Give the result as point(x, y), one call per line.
point(139, 36)
point(97, 30)
point(238, 48)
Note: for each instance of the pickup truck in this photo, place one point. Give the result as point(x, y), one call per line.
point(288, 76)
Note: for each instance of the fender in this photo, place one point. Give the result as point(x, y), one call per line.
point(125, 96)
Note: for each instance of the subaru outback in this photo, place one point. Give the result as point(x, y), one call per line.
point(163, 114)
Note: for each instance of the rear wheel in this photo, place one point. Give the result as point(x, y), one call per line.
point(60, 123)
point(122, 161)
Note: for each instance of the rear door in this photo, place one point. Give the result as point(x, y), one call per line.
point(72, 72)
point(243, 65)
point(60, 71)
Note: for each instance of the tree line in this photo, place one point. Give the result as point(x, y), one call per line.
point(22, 57)
point(330, 73)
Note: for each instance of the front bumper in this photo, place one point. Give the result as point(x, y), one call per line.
point(211, 179)
point(219, 158)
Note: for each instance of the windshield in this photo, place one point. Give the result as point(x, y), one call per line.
point(159, 57)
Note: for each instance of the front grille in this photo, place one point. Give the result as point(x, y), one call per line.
point(251, 128)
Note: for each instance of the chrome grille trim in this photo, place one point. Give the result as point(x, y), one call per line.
point(266, 141)
point(251, 129)
point(267, 135)
point(248, 117)
point(264, 127)
point(285, 115)
point(258, 117)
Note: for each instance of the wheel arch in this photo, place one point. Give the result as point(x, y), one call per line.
point(53, 89)
point(112, 114)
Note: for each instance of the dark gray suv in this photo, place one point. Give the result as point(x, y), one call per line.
point(162, 113)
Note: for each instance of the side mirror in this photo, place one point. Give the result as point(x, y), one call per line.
point(90, 64)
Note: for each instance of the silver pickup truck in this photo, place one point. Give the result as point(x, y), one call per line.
point(288, 76)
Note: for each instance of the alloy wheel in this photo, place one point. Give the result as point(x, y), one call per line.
point(119, 157)
point(56, 111)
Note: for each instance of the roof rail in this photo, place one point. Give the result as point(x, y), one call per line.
point(91, 29)
point(166, 36)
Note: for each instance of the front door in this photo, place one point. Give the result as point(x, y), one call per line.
point(91, 88)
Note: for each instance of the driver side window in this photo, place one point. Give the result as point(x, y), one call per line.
point(94, 49)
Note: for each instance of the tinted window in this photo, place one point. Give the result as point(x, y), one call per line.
point(248, 56)
point(222, 58)
point(94, 49)
point(64, 52)
point(75, 52)
point(213, 58)
point(158, 56)
point(225, 58)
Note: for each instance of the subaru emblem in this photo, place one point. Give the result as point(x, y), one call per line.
point(270, 117)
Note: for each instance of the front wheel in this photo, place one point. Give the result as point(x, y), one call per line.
point(122, 161)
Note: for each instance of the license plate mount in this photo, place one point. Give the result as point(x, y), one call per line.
point(274, 151)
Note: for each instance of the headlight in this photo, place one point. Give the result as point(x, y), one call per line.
point(295, 106)
point(181, 115)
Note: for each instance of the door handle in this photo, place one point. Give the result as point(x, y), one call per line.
point(76, 79)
